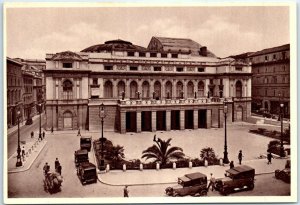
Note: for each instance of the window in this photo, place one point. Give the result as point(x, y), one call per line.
point(266, 58)
point(274, 57)
point(157, 68)
point(152, 54)
point(130, 53)
point(133, 68)
point(164, 55)
point(179, 69)
point(67, 90)
point(174, 55)
point(67, 65)
point(201, 69)
point(283, 55)
point(95, 81)
point(221, 81)
point(142, 54)
point(266, 80)
point(211, 81)
point(108, 67)
point(238, 68)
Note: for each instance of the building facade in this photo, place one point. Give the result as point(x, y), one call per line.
point(174, 84)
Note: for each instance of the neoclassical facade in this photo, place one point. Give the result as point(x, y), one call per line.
point(174, 84)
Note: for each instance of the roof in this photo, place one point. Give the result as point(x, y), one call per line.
point(15, 61)
point(66, 55)
point(81, 151)
point(184, 179)
point(271, 50)
point(114, 45)
point(87, 165)
point(238, 169)
point(195, 175)
point(86, 137)
point(176, 44)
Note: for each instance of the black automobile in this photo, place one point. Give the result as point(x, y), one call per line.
point(81, 156)
point(87, 173)
point(86, 143)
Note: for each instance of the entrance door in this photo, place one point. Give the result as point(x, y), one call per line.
point(175, 120)
point(146, 121)
point(130, 121)
point(189, 119)
point(68, 121)
point(161, 120)
point(201, 118)
point(239, 114)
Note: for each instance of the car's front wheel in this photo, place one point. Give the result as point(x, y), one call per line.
point(203, 193)
point(251, 186)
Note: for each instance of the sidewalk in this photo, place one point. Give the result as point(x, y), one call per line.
point(32, 150)
point(170, 176)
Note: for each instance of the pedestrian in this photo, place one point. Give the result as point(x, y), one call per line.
point(270, 156)
point(44, 134)
point(240, 156)
point(23, 152)
point(59, 168)
point(32, 134)
point(126, 191)
point(231, 165)
point(56, 163)
point(79, 134)
point(211, 182)
point(46, 168)
point(51, 129)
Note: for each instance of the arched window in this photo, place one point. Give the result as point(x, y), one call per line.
point(190, 89)
point(121, 88)
point(157, 89)
point(168, 89)
point(133, 89)
point(201, 89)
point(108, 89)
point(179, 89)
point(238, 89)
point(67, 90)
point(145, 90)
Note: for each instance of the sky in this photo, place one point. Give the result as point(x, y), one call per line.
point(33, 32)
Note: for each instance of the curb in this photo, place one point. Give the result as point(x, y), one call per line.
point(23, 170)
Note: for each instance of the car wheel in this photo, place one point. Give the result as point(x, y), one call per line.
point(203, 193)
point(251, 186)
point(226, 192)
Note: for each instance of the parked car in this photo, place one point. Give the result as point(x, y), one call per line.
point(86, 143)
point(189, 184)
point(87, 173)
point(237, 178)
point(285, 174)
point(81, 156)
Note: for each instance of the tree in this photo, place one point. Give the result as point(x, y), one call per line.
point(208, 154)
point(161, 153)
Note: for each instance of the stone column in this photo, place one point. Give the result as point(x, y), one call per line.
point(182, 120)
point(168, 120)
point(138, 121)
point(249, 82)
point(153, 118)
point(208, 119)
point(123, 122)
point(196, 119)
point(206, 89)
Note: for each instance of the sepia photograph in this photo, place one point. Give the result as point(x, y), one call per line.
point(142, 103)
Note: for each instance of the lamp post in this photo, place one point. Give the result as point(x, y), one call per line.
point(102, 139)
point(19, 161)
point(40, 111)
point(225, 159)
point(281, 136)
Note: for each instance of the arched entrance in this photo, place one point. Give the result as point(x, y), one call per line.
point(238, 89)
point(68, 120)
point(108, 89)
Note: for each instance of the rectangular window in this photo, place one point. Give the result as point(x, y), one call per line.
point(179, 69)
point(95, 81)
point(157, 68)
point(238, 68)
point(164, 55)
point(266, 58)
point(174, 55)
point(67, 65)
point(152, 54)
point(274, 57)
point(283, 56)
point(130, 53)
point(201, 69)
point(108, 67)
point(141, 54)
point(133, 68)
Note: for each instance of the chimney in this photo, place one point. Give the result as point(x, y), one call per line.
point(203, 51)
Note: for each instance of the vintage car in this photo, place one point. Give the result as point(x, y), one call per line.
point(87, 173)
point(189, 184)
point(237, 178)
point(81, 156)
point(285, 174)
point(86, 143)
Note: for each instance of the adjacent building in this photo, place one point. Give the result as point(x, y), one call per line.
point(173, 84)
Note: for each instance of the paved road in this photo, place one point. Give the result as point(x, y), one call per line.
point(12, 139)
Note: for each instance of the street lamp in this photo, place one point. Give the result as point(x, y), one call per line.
point(281, 136)
point(102, 115)
point(19, 161)
point(225, 110)
point(40, 110)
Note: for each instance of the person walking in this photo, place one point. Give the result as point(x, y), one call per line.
point(43, 134)
point(211, 182)
point(51, 129)
point(56, 163)
point(23, 153)
point(270, 156)
point(46, 168)
point(59, 168)
point(240, 156)
point(79, 134)
point(126, 191)
point(231, 165)
point(32, 134)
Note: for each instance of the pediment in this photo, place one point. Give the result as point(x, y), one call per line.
point(66, 55)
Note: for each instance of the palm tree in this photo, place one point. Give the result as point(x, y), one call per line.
point(115, 154)
point(161, 153)
point(208, 154)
